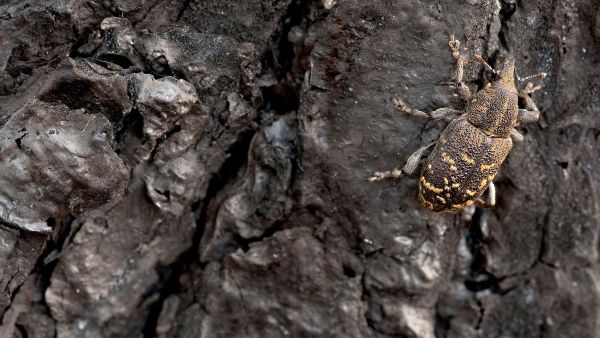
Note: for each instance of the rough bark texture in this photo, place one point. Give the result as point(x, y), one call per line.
point(198, 169)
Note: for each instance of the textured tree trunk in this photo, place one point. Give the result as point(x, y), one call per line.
point(199, 169)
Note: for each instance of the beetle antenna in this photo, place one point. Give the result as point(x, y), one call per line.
point(482, 62)
point(540, 75)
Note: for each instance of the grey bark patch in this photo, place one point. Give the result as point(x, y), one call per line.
point(161, 102)
point(293, 281)
point(203, 59)
point(18, 254)
point(249, 207)
point(81, 83)
point(56, 160)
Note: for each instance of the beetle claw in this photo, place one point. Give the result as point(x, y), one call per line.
point(453, 43)
point(377, 176)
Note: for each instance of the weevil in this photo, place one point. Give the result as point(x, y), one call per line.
point(470, 150)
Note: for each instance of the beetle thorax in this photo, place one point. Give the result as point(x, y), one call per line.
point(494, 109)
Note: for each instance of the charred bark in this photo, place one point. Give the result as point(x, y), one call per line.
point(199, 169)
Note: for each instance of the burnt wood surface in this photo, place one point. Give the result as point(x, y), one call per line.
point(198, 168)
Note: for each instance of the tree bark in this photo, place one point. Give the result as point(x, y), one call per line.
point(199, 169)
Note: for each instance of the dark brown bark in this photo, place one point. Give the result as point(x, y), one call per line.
point(199, 169)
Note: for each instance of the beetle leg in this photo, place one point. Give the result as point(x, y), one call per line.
point(434, 115)
point(467, 213)
point(528, 116)
point(491, 197)
point(459, 62)
point(411, 165)
point(441, 113)
point(516, 136)
point(531, 112)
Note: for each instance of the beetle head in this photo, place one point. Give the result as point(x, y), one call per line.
point(507, 75)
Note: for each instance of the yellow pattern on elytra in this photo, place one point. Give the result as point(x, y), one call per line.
point(483, 183)
point(445, 181)
point(430, 186)
point(447, 159)
point(485, 167)
point(470, 193)
point(457, 206)
point(470, 202)
point(455, 185)
point(441, 199)
point(453, 168)
point(467, 158)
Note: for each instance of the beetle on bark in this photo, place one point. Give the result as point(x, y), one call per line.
point(469, 152)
